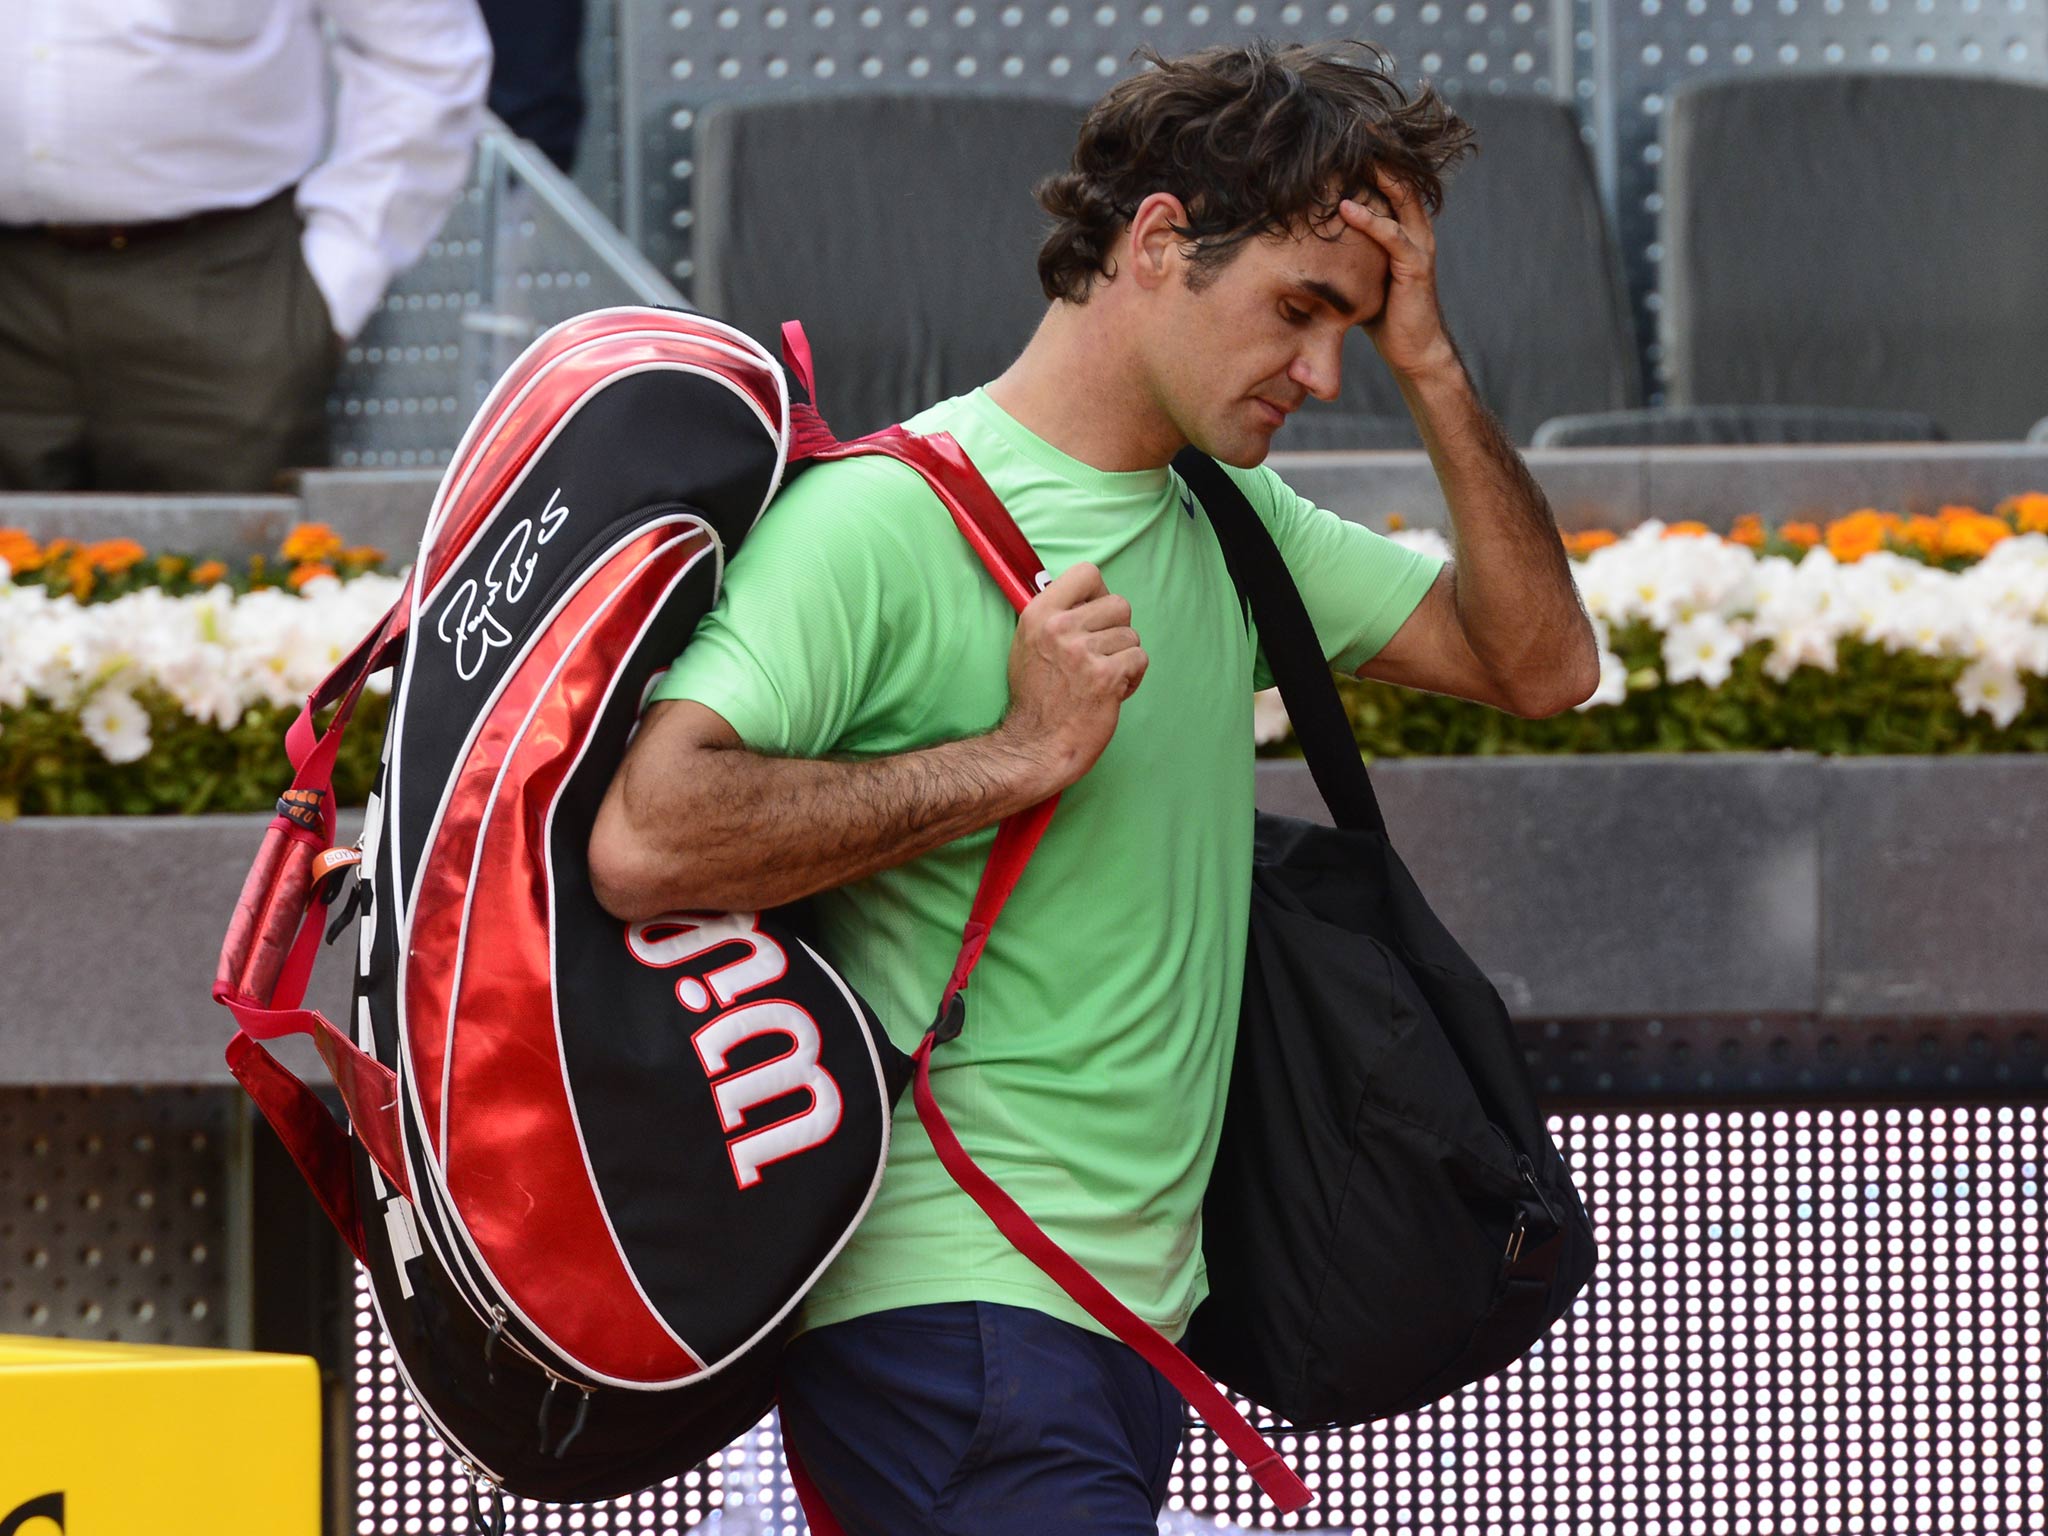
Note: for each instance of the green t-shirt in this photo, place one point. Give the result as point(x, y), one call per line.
point(1090, 1079)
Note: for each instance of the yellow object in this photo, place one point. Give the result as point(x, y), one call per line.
point(145, 1440)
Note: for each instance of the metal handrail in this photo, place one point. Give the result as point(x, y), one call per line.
point(562, 197)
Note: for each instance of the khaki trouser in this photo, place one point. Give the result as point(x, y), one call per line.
point(196, 360)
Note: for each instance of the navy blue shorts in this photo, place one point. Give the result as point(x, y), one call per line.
point(975, 1419)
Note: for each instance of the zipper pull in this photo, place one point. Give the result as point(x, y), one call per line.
point(1516, 1234)
point(1528, 1171)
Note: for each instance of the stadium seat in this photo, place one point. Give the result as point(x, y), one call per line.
point(899, 227)
point(1859, 240)
point(1530, 279)
point(1723, 426)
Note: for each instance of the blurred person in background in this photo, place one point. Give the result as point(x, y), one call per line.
point(201, 203)
point(537, 73)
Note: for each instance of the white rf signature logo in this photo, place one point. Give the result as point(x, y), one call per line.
point(469, 622)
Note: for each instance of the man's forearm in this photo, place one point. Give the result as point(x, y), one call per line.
point(1516, 601)
point(747, 831)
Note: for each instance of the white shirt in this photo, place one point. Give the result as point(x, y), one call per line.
point(131, 111)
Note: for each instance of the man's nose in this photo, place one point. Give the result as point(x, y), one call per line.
point(1319, 368)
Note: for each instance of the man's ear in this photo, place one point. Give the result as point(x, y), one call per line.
point(1158, 251)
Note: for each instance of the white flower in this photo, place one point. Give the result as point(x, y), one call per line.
point(116, 724)
point(2007, 644)
point(1796, 645)
point(204, 688)
point(1613, 682)
point(1714, 574)
point(2014, 587)
point(1926, 621)
point(212, 652)
point(1425, 541)
point(1600, 583)
point(1986, 688)
point(1701, 649)
point(1766, 586)
point(1874, 588)
point(1655, 586)
point(1269, 717)
point(2027, 551)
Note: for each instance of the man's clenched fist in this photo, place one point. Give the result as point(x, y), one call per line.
point(1074, 661)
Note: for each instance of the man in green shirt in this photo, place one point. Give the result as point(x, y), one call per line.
point(862, 708)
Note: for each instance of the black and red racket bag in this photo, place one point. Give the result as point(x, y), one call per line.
point(594, 1165)
point(591, 1167)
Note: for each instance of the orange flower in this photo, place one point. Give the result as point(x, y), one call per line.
point(1748, 531)
point(1803, 535)
point(21, 552)
point(1395, 523)
point(1923, 534)
point(207, 572)
point(2029, 512)
point(1953, 514)
point(310, 542)
point(369, 554)
point(1971, 537)
point(1860, 533)
point(1688, 530)
point(1587, 540)
point(301, 574)
point(113, 555)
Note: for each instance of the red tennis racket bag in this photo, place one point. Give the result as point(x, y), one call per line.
point(591, 1167)
point(566, 1128)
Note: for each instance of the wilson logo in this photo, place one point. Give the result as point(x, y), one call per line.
point(470, 621)
point(679, 938)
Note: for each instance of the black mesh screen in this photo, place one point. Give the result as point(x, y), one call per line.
point(1808, 1320)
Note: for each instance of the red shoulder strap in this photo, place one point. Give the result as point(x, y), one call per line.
point(987, 526)
point(266, 962)
point(986, 523)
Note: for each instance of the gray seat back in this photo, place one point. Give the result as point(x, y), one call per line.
point(1736, 425)
point(900, 228)
point(1860, 240)
point(1529, 276)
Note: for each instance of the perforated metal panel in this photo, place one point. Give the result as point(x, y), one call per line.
point(680, 57)
point(1790, 1059)
point(402, 397)
point(1807, 1320)
point(522, 249)
point(1641, 49)
point(115, 1214)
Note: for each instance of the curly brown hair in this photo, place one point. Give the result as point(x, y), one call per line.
point(1253, 139)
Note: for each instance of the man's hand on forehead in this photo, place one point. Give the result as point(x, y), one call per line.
point(1409, 331)
point(1374, 200)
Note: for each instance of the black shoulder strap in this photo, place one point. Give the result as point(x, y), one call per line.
point(1288, 638)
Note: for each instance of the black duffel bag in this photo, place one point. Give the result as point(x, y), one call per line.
point(1388, 1218)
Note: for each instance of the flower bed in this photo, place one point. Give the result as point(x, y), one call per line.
point(1876, 634)
point(139, 683)
point(131, 683)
